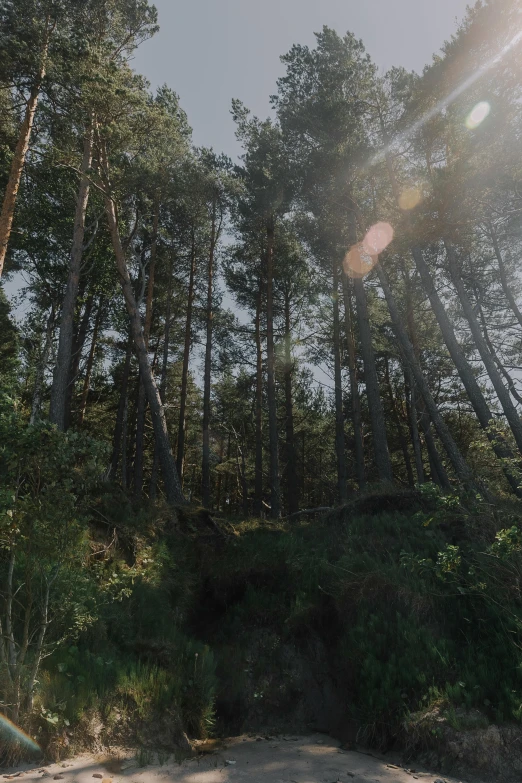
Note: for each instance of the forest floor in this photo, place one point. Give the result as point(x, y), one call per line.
point(311, 759)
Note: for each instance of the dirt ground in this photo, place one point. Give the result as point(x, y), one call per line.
point(311, 759)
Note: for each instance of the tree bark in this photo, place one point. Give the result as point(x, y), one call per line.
point(227, 477)
point(90, 363)
point(139, 440)
point(163, 380)
point(502, 393)
point(125, 441)
point(411, 403)
point(503, 275)
point(258, 470)
point(410, 383)
point(292, 486)
point(64, 359)
point(79, 340)
point(340, 452)
point(398, 424)
point(273, 434)
point(184, 374)
point(142, 401)
point(498, 361)
point(171, 480)
point(457, 460)
point(205, 465)
point(120, 415)
point(20, 153)
point(354, 385)
point(378, 424)
point(475, 395)
point(438, 471)
point(241, 474)
point(220, 474)
point(477, 399)
point(40, 369)
point(15, 175)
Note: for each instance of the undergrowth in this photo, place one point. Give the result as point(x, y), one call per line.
point(407, 602)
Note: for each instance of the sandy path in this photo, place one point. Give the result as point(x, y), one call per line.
point(312, 759)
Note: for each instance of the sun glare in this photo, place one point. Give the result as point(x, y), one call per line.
point(449, 99)
point(477, 115)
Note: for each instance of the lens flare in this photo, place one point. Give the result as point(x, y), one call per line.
point(358, 262)
point(363, 256)
point(477, 115)
point(11, 733)
point(410, 198)
point(378, 238)
point(449, 99)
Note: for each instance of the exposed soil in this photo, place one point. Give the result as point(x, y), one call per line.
point(289, 759)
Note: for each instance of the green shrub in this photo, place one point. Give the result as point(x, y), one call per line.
point(408, 603)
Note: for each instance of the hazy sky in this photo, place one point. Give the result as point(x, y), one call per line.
point(210, 51)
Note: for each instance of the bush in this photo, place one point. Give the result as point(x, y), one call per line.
point(408, 603)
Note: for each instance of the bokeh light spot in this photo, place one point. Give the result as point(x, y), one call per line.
point(477, 115)
point(377, 239)
point(410, 198)
point(358, 262)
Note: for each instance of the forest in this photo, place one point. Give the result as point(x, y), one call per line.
point(260, 411)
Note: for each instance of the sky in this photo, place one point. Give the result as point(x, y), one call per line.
point(210, 51)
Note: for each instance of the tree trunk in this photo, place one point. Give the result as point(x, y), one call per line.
point(241, 473)
point(22, 146)
point(205, 465)
point(15, 175)
point(40, 369)
point(220, 475)
point(498, 361)
point(411, 403)
point(163, 380)
point(79, 340)
point(90, 363)
point(438, 471)
point(171, 480)
point(502, 393)
point(244, 481)
point(303, 467)
point(410, 383)
point(477, 399)
point(125, 441)
point(258, 470)
point(139, 440)
point(398, 424)
point(503, 275)
point(380, 440)
point(64, 359)
point(275, 495)
point(292, 486)
point(184, 375)
point(120, 415)
point(354, 385)
point(340, 452)
point(457, 460)
point(142, 401)
point(227, 477)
